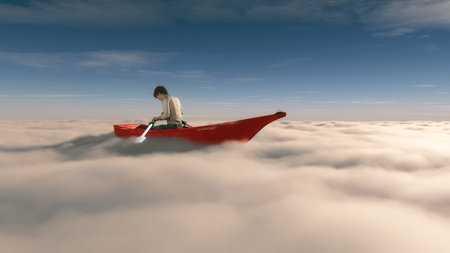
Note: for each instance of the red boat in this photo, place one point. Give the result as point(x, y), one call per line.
point(241, 130)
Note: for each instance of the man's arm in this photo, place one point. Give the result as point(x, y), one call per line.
point(166, 110)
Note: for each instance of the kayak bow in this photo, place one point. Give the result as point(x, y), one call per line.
point(241, 130)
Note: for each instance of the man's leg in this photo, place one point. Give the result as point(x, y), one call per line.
point(165, 127)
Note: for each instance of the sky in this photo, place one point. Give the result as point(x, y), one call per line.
point(298, 186)
point(316, 60)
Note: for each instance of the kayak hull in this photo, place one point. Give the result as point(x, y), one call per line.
point(241, 130)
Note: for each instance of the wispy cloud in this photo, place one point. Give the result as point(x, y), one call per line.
point(431, 47)
point(413, 13)
point(368, 102)
point(289, 62)
point(227, 104)
point(207, 87)
point(48, 96)
point(183, 74)
point(94, 59)
point(246, 79)
point(83, 12)
point(103, 59)
point(424, 86)
point(309, 92)
point(440, 107)
point(394, 33)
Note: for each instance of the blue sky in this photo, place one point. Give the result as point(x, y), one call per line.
point(317, 60)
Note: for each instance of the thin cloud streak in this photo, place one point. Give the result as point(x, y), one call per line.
point(394, 33)
point(431, 47)
point(49, 96)
point(369, 102)
point(246, 79)
point(182, 74)
point(94, 59)
point(424, 86)
point(82, 13)
point(289, 62)
point(413, 13)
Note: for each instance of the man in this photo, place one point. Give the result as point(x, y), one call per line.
point(172, 111)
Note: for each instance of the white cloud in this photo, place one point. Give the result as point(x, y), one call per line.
point(394, 33)
point(441, 107)
point(431, 47)
point(413, 13)
point(48, 96)
point(94, 59)
point(335, 11)
point(207, 87)
point(424, 86)
point(368, 102)
point(247, 79)
point(361, 186)
point(289, 62)
point(85, 13)
point(310, 91)
point(181, 74)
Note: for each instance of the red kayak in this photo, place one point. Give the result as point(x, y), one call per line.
point(241, 130)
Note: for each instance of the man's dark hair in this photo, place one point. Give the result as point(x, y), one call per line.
point(160, 90)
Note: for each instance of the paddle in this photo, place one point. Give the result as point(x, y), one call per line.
point(142, 138)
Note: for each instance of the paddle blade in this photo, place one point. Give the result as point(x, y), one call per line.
point(140, 139)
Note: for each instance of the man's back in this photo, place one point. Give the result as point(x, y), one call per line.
point(172, 111)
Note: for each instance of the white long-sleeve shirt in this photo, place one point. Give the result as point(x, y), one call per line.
point(172, 111)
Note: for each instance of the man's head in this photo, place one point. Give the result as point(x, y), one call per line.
point(160, 92)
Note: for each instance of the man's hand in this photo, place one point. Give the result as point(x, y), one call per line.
point(156, 118)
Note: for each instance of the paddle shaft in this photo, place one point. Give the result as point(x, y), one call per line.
point(142, 138)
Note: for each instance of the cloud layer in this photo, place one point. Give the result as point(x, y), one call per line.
point(297, 187)
point(118, 12)
point(398, 13)
point(414, 13)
